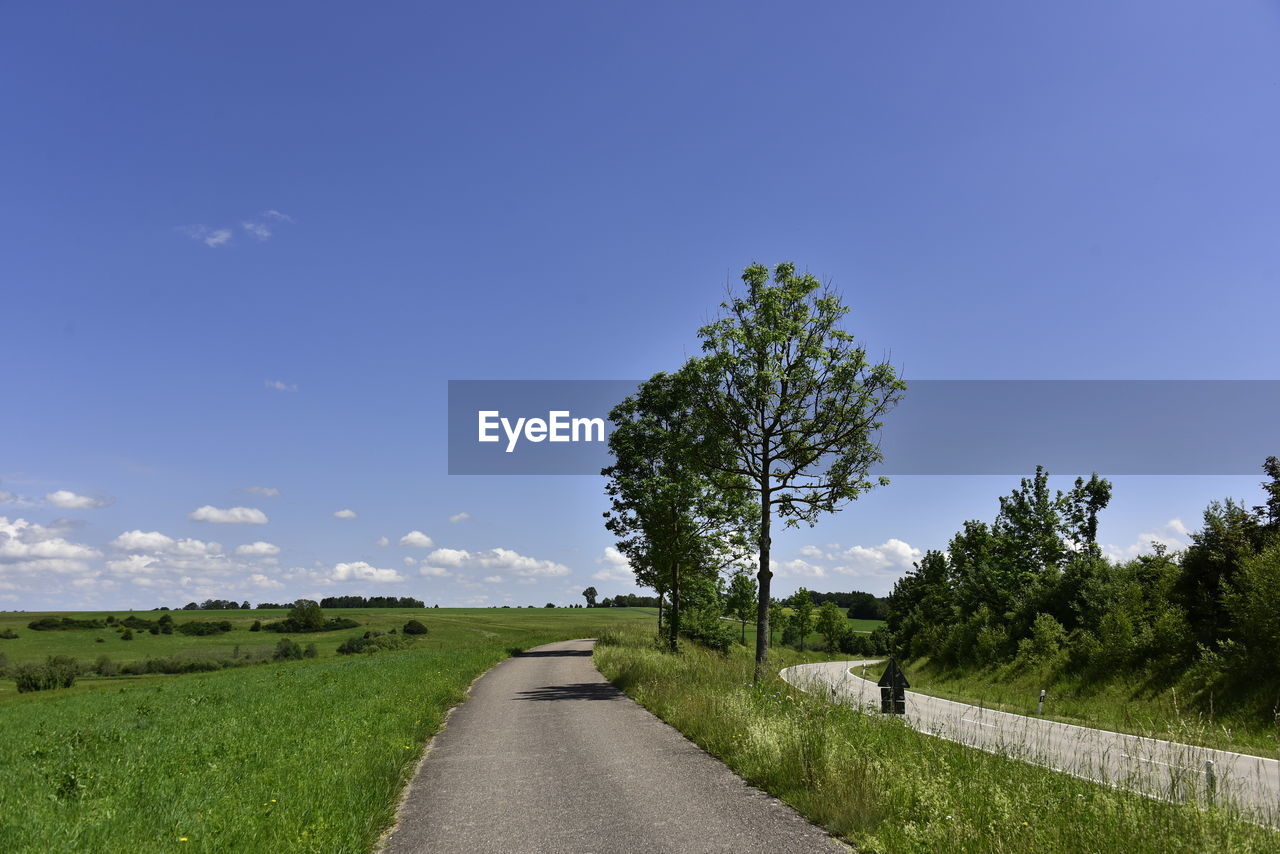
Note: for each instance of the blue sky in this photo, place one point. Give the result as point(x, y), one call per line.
point(358, 205)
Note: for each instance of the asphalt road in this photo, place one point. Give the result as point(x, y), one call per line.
point(547, 756)
point(1163, 769)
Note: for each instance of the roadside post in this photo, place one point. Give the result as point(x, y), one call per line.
point(1040, 708)
point(893, 690)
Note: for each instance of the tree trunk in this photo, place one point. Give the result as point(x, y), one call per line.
point(762, 612)
point(673, 622)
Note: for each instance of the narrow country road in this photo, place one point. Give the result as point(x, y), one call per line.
point(547, 756)
point(1163, 769)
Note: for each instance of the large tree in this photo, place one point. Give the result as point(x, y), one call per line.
point(673, 523)
point(798, 402)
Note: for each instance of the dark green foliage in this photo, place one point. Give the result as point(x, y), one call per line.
point(801, 617)
point(311, 651)
point(256, 627)
point(104, 666)
point(629, 600)
point(287, 650)
point(590, 595)
point(126, 635)
point(549, 605)
point(8, 634)
point(414, 627)
point(307, 616)
point(832, 624)
point(201, 628)
point(373, 642)
point(174, 665)
point(370, 602)
point(58, 671)
point(62, 624)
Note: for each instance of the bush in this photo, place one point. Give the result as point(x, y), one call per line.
point(291, 627)
point(201, 628)
point(256, 627)
point(310, 651)
point(127, 634)
point(62, 624)
point(8, 634)
point(287, 650)
point(104, 666)
point(414, 627)
point(58, 671)
point(373, 642)
point(172, 665)
point(99, 640)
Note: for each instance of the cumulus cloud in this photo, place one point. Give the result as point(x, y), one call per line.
point(31, 548)
point(346, 514)
point(888, 560)
point(459, 517)
point(493, 579)
point(1173, 535)
point(229, 516)
point(68, 500)
point(382, 541)
point(147, 541)
point(448, 557)
point(434, 571)
point(280, 385)
point(264, 582)
point(361, 571)
point(417, 539)
point(615, 566)
point(518, 564)
point(258, 549)
point(266, 491)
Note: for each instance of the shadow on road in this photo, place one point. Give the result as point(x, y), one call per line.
point(551, 653)
point(580, 691)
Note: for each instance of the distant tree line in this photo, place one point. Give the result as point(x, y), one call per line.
point(371, 602)
point(1032, 589)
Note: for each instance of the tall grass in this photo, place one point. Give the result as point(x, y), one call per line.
point(298, 756)
point(886, 788)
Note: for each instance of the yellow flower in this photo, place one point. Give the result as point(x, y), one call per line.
point(182, 839)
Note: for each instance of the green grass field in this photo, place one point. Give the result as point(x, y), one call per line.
point(306, 756)
point(887, 788)
point(1123, 704)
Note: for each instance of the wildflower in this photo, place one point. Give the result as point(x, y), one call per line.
point(182, 839)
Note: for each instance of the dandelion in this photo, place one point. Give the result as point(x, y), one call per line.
point(182, 839)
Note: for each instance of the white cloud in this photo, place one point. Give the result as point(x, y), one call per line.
point(143, 541)
point(212, 237)
point(22, 542)
point(616, 566)
point(382, 541)
point(258, 549)
point(798, 569)
point(361, 571)
point(257, 229)
point(448, 557)
point(493, 579)
point(814, 552)
point(276, 215)
point(267, 491)
point(230, 516)
point(1173, 535)
point(434, 571)
point(459, 517)
point(257, 579)
point(417, 539)
point(893, 554)
point(518, 564)
point(346, 514)
point(279, 385)
point(7, 497)
point(68, 500)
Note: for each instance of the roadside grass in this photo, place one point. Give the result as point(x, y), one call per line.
point(300, 756)
point(886, 788)
point(1123, 703)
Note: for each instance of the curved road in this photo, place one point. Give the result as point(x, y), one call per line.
point(1163, 769)
point(547, 756)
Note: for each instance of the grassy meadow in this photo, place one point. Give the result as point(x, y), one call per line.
point(884, 787)
point(1122, 704)
point(297, 756)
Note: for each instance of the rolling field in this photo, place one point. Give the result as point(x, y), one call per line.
point(278, 756)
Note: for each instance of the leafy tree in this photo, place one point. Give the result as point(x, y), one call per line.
point(832, 624)
point(798, 403)
point(549, 605)
point(801, 615)
point(672, 523)
point(741, 600)
point(1269, 511)
point(590, 595)
point(1230, 535)
point(780, 621)
point(306, 615)
point(287, 650)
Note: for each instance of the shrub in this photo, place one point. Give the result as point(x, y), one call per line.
point(62, 624)
point(201, 628)
point(104, 666)
point(155, 630)
point(288, 625)
point(256, 627)
point(58, 671)
point(127, 634)
point(310, 651)
point(287, 650)
point(373, 642)
point(414, 627)
point(167, 628)
point(99, 640)
point(8, 634)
